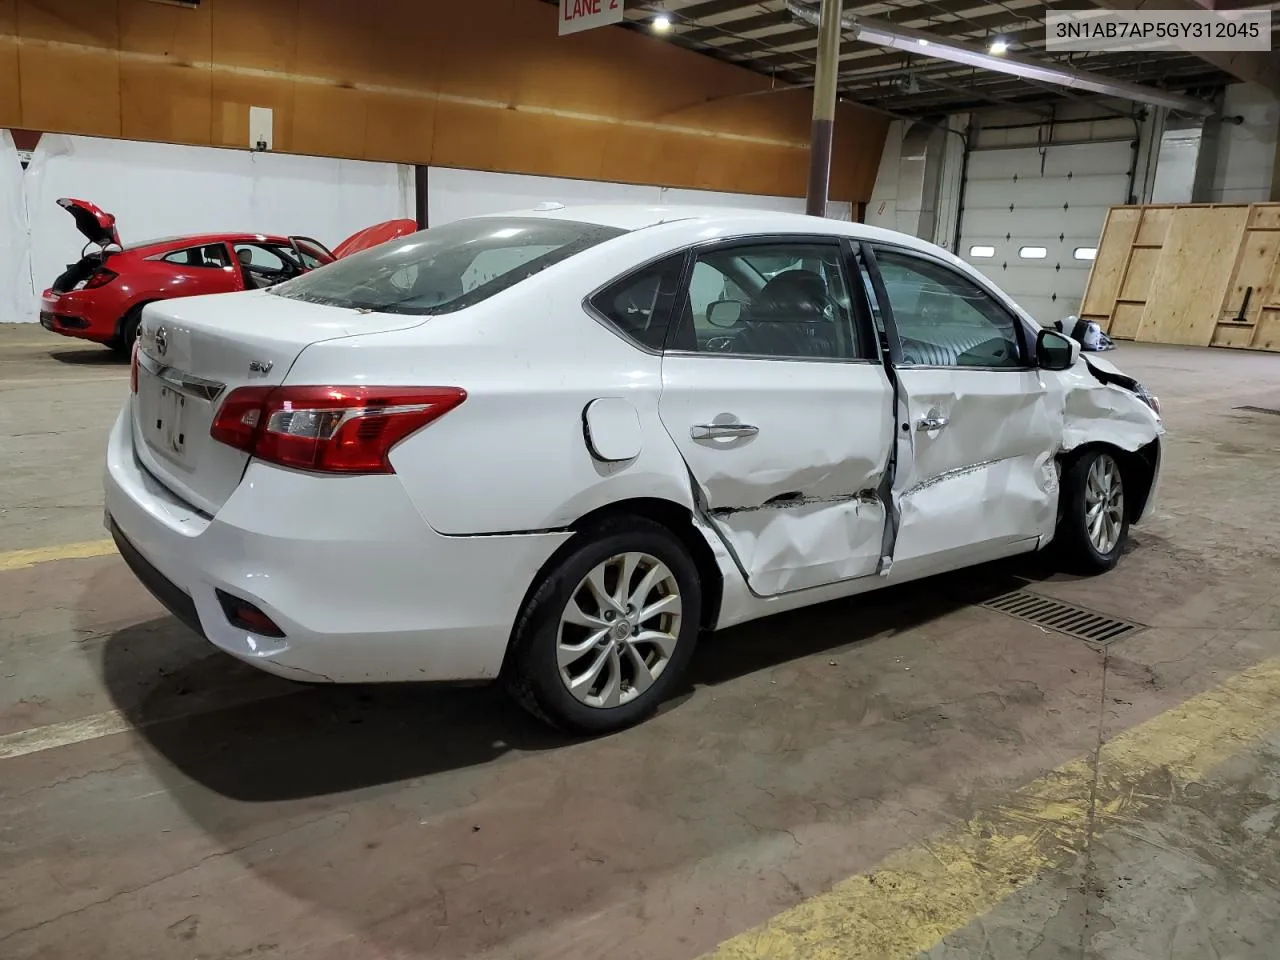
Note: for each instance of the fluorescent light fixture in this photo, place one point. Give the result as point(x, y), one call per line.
point(880, 33)
point(1033, 253)
point(999, 47)
point(924, 42)
point(980, 252)
point(661, 23)
point(1085, 253)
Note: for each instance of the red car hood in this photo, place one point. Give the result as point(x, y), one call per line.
point(96, 224)
point(374, 235)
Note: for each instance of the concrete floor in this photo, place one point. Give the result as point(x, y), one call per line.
point(908, 772)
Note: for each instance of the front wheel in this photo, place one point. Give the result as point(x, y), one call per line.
point(610, 630)
point(1095, 518)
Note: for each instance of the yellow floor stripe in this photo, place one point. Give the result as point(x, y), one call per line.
point(913, 899)
point(17, 559)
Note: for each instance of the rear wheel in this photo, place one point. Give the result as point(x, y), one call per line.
point(129, 326)
point(1095, 517)
point(610, 630)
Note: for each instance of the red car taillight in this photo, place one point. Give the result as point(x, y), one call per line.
point(133, 368)
point(329, 429)
point(100, 279)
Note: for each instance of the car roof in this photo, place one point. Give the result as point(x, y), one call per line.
point(631, 216)
point(196, 239)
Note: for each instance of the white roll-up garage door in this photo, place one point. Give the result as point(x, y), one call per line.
point(1033, 215)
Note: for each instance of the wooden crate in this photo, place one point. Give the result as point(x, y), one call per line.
point(1203, 274)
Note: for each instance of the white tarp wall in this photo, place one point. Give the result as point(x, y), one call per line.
point(455, 194)
point(159, 190)
point(16, 301)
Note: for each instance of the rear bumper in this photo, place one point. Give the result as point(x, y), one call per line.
point(363, 589)
point(75, 314)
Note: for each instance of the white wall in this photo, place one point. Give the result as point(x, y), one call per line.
point(1246, 154)
point(15, 264)
point(160, 190)
point(454, 194)
point(882, 209)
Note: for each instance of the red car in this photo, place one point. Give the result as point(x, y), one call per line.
point(101, 296)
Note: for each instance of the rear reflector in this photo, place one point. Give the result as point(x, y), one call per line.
point(329, 429)
point(133, 367)
point(243, 614)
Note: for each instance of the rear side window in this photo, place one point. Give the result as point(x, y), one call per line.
point(446, 268)
point(640, 305)
point(209, 255)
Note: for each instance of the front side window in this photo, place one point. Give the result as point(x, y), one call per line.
point(944, 319)
point(640, 305)
point(446, 268)
point(780, 300)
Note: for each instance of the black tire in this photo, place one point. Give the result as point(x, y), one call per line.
point(1076, 550)
point(123, 343)
point(533, 673)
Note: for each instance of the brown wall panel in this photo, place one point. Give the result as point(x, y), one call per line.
point(399, 128)
point(181, 115)
point(485, 84)
point(68, 88)
point(233, 94)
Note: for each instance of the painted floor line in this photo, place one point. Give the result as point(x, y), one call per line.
point(19, 559)
point(22, 743)
point(913, 899)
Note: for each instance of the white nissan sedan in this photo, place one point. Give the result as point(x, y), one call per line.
point(556, 446)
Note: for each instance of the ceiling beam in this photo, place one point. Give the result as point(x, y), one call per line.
point(1262, 68)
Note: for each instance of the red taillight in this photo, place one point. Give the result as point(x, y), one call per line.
point(101, 278)
point(133, 367)
point(329, 429)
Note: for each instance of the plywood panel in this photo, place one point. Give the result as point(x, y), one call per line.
point(1233, 335)
point(1267, 334)
point(1186, 294)
point(1142, 270)
point(10, 104)
point(551, 105)
point(1265, 216)
point(1126, 320)
point(180, 33)
point(1155, 225)
point(233, 94)
point(1109, 265)
point(399, 129)
point(1255, 267)
point(70, 89)
point(182, 115)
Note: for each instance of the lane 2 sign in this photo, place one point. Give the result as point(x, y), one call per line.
point(576, 15)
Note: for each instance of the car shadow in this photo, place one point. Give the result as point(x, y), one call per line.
point(89, 357)
point(256, 738)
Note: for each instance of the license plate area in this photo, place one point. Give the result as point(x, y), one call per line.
point(164, 417)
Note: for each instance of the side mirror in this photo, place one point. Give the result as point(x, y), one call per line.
point(1055, 352)
point(724, 313)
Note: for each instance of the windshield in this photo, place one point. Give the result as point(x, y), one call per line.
point(446, 268)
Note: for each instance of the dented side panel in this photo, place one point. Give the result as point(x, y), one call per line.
point(792, 495)
point(983, 476)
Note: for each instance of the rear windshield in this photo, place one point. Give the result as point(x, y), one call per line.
point(446, 268)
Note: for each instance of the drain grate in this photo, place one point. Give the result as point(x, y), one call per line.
point(1063, 617)
point(1270, 410)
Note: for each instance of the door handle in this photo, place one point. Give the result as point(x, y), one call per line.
point(929, 424)
point(722, 431)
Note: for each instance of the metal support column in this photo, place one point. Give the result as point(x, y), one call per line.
point(824, 108)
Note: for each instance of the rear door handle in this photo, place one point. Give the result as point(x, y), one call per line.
point(929, 424)
point(722, 431)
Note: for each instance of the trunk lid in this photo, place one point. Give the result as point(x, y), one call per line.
point(96, 224)
point(374, 235)
point(193, 351)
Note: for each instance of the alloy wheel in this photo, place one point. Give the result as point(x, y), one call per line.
point(619, 630)
point(1104, 504)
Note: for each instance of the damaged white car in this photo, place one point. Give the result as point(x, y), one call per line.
point(554, 447)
